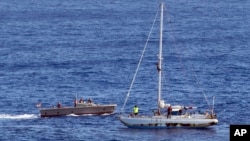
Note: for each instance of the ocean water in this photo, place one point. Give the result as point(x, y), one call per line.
point(51, 51)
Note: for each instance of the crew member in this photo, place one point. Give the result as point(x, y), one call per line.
point(59, 105)
point(158, 67)
point(75, 102)
point(81, 100)
point(90, 100)
point(169, 112)
point(135, 110)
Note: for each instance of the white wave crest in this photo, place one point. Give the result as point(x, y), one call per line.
point(73, 115)
point(23, 116)
point(107, 114)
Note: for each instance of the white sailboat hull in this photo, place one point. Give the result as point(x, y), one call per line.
point(164, 122)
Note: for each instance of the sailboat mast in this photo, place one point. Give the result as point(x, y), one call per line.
point(160, 57)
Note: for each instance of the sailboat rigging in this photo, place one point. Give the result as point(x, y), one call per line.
point(160, 120)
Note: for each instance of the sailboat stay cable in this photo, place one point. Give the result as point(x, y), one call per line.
point(203, 92)
point(138, 66)
point(182, 66)
point(172, 37)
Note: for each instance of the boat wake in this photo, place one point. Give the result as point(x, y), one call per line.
point(107, 114)
point(73, 115)
point(23, 116)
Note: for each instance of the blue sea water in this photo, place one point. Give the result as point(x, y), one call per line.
point(51, 51)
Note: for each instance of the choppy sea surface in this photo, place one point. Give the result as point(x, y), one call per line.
point(51, 51)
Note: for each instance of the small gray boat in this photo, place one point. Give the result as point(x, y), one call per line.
point(80, 108)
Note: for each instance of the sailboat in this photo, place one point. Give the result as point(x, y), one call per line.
point(175, 116)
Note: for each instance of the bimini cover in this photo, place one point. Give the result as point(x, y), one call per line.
point(177, 107)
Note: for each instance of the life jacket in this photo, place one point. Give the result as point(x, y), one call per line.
point(136, 109)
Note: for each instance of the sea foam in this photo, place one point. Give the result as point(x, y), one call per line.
point(21, 116)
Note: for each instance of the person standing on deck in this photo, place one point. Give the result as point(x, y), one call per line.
point(136, 110)
point(169, 112)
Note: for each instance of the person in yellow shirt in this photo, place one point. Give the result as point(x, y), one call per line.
point(136, 110)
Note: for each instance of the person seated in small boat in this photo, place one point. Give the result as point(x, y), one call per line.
point(81, 100)
point(75, 102)
point(90, 100)
point(59, 105)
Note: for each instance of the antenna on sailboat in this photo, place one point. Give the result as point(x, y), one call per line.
point(213, 106)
